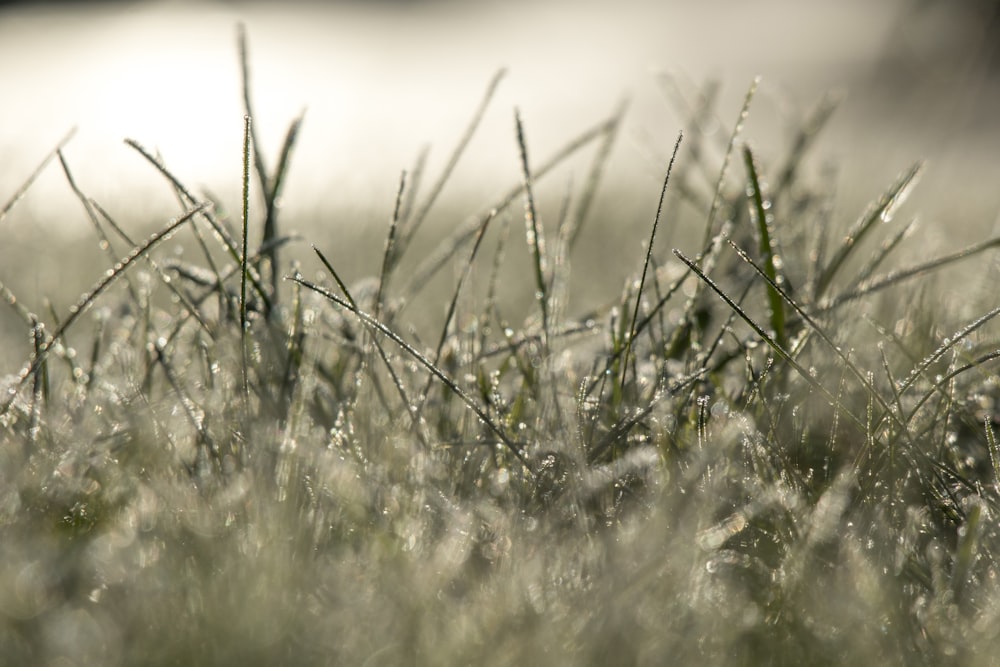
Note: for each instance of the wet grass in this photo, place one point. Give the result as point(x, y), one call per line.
point(775, 446)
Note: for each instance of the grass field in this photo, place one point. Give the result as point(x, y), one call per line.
point(775, 445)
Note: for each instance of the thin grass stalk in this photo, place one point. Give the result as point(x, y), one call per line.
point(447, 248)
point(273, 201)
point(994, 450)
point(645, 265)
point(40, 388)
point(190, 307)
point(258, 156)
point(720, 184)
point(594, 176)
point(244, 342)
point(814, 326)
point(231, 247)
point(450, 314)
point(896, 277)
point(536, 241)
point(805, 138)
point(414, 224)
point(396, 380)
point(23, 189)
point(388, 254)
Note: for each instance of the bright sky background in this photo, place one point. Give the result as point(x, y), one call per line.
point(380, 80)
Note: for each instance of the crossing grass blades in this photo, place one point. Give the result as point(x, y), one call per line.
point(763, 452)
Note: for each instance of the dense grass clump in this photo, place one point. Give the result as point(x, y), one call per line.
point(765, 451)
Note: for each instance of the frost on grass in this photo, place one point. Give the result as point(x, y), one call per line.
point(684, 475)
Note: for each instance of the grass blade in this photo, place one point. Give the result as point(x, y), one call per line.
point(760, 213)
point(880, 212)
point(536, 241)
point(645, 264)
point(21, 191)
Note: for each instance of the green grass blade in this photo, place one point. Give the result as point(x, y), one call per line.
point(882, 211)
point(760, 213)
point(536, 240)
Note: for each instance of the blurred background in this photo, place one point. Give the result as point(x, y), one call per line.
point(382, 80)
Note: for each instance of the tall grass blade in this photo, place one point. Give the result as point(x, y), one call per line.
point(244, 343)
point(389, 252)
point(447, 248)
point(414, 224)
point(231, 247)
point(720, 184)
point(452, 306)
point(760, 213)
point(273, 201)
point(536, 241)
point(645, 265)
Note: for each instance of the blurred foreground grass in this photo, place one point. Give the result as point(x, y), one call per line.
point(773, 447)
